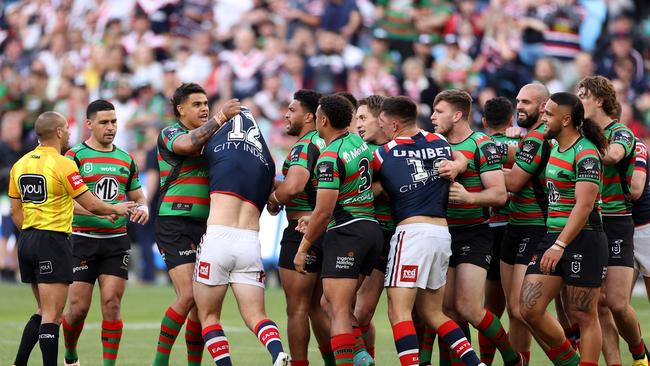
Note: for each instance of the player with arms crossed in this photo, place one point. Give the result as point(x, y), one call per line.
point(241, 179)
point(411, 169)
point(478, 188)
point(42, 187)
point(298, 193)
point(344, 209)
point(573, 252)
point(183, 209)
point(599, 99)
point(100, 246)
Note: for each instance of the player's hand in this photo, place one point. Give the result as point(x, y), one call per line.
point(449, 169)
point(299, 262)
point(140, 215)
point(515, 132)
point(458, 194)
point(125, 208)
point(112, 218)
point(550, 259)
point(231, 109)
point(303, 222)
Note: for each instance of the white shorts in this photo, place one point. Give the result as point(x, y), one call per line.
point(642, 249)
point(229, 255)
point(419, 256)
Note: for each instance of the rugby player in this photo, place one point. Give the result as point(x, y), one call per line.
point(100, 246)
point(298, 194)
point(241, 172)
point(640, 194)
point(410, 171)
point(42, 187)
point(599, 99)
point(478, 188)
point(344, 209)
point(497, 118)
point(573, 252)
point(183, 209)
point(528, 207)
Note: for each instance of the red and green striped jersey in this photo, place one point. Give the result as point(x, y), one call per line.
point(579, 163)
point(344, 165)
point(529, 206)
point(617, 179)
point(500, 215)
point(483, 156)
point(183, 179)
point(109, 175)
point(305, 154)
point(383, 212)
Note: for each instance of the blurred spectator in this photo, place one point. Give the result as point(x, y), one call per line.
point(327, 72)
point(341, 16)
point(418, 86)
point(242, 66)
point(562, 37)
point(146, 70)
point(621, 48)
point(74, 108)
point(453, 71)
point(271, 99)
point(546, 74)
point(397, 19)
point(374, 79)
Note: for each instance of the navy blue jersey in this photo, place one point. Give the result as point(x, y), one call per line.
point(641, 207)
point(407, 168)
point(239, 161)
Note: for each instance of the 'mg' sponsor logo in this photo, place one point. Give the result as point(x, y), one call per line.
point(107, 188)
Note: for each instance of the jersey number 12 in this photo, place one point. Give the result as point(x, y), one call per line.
point(250, 136)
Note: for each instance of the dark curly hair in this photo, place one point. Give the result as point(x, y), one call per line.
point(308, 100)
point(183, 92)
point(337, 109)
point(497, 111)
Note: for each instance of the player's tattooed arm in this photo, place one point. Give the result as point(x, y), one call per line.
point(531, 292)
point(193, 141)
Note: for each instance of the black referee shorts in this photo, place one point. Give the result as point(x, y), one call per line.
point(44, 256)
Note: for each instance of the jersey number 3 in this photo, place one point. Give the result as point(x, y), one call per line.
point(251, 136)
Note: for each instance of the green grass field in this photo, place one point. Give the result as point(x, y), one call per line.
point(144, 306)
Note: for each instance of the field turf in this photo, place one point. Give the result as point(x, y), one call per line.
point(143, 307)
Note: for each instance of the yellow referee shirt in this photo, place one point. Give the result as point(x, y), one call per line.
point(46, 183)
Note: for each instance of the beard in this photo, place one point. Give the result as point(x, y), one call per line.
point(294, 129)
point(530, 120)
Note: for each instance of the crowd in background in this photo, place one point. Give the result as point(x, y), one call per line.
point(61, 54)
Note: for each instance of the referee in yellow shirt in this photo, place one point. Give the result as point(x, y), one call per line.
point(42, 186)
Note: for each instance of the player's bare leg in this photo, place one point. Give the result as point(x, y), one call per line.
point(73, 321)
point(340, 293)
point(366, 303)
point(617, 287)
point(320, 323)
point(176, 314)
point(250, 300)
point(111, 291)
point(583, 307)
point(512, 277)
point(470, 286)
point(298, 290)
point(209, 301)
point(536, 294)
point(429, 307)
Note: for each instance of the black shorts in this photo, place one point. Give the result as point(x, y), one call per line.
point(520, 243)
point(494, 272)
point(94, 256)
point(584, 262)
point(289, 247)
point(382, 261)
point(471, 244)
point(177, 238)
point(44, 256)
point(620, 238)
point(351, 250)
